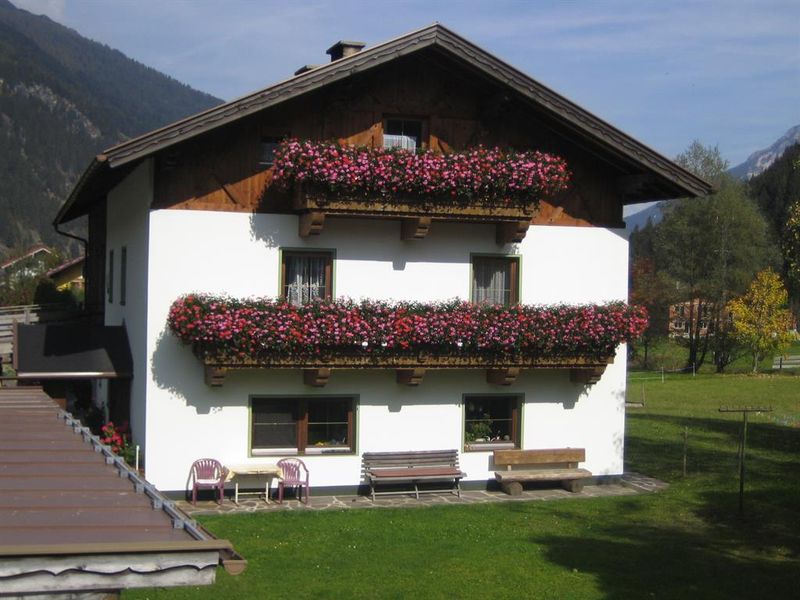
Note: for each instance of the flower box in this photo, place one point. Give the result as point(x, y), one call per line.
point(227, 333)
point(486, 185)
point(308, 197)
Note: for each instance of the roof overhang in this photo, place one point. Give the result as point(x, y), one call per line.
point(436, 36)
point(71, 351)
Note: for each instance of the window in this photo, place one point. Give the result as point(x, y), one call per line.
point(495, 280)
point(123, 274)
point(491, 422)
point(266, 150)
point(402, 133)
point(110, 280)
point(312, 425)
point(306, 276)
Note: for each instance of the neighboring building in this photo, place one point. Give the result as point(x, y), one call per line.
point(683, 314)
point(69, 275)
point(77, 522)
point(191, 208)
point(31, 263)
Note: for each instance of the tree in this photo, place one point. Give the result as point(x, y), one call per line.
point(760, 319)
point(777, 191)
point(711, 247)
point(654, 290)
point(791, 249)
point(704, 161)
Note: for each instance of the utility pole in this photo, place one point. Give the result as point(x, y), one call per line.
point(745, 410)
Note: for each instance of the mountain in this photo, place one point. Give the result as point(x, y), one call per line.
point(759, 161)
point(637, 215)
point(63, 99)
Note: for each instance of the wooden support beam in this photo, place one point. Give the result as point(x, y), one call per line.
point(410, 376)
point(215, 376)
point(311, 223)
point(586, 376)
point(415, 229)
point(316, 377)
point(502, 376)
point(512, 232)
point(229, 190)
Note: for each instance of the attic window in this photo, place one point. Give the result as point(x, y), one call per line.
point(266, 150)
point(402, 133)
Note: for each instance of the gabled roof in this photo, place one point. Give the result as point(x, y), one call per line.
point(66, 265)
point(33, 251)
point(434, 36)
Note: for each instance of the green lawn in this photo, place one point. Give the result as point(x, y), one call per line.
point(671, 355)
point(686, 542)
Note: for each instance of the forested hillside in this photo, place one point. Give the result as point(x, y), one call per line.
point(64, 98)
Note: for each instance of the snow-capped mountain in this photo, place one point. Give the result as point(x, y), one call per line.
point(760, 160)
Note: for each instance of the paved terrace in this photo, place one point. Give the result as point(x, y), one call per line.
point(632, 484)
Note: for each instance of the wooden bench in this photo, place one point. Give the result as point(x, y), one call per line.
point(412, 467)
point(556, 464)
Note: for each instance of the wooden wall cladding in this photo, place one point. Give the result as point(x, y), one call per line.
point(220, 170)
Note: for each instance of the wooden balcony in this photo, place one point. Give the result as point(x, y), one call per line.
point(314, 205)
point(410, 370)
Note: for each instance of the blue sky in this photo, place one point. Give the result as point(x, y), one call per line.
point(724, 72)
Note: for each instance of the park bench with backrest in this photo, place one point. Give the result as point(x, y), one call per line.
point(516, 467)
point(412, 468)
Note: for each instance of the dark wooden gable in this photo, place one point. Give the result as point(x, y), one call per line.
point(220, 170)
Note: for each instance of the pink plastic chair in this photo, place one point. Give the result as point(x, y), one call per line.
point(208, 473)
point(295, 475)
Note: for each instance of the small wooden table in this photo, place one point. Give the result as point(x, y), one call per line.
point(269, 471)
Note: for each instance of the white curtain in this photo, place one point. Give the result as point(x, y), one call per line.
point(305, 278)
point(491, 282)
point(406, 142)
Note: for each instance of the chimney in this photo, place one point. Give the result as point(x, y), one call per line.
point(343, 49)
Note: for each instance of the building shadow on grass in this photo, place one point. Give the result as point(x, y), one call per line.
point(634, 561)
point(769, 521)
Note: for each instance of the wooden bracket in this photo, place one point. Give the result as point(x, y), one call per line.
point(410, 376)
point(415, 229)
point(502, 376)
point(586, 376)
point(512, 232)
point(215, 376)
point(316, 377)
point(311, 223)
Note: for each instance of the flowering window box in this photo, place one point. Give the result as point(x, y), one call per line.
point(486, 185)
point(410, 338)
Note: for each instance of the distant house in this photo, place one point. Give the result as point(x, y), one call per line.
point(683, 314)
point(194, 208)
point(69, 275)
point(32, 262)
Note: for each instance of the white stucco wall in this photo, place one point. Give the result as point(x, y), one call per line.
point(127, 225)
point(238, 254)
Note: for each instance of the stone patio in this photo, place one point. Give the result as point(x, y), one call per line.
point(631, 484)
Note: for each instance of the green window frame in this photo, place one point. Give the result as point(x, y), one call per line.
point(492, 421)
point(304, 425)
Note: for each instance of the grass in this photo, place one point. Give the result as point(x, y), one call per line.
point(686, 542)
point(671, 355)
